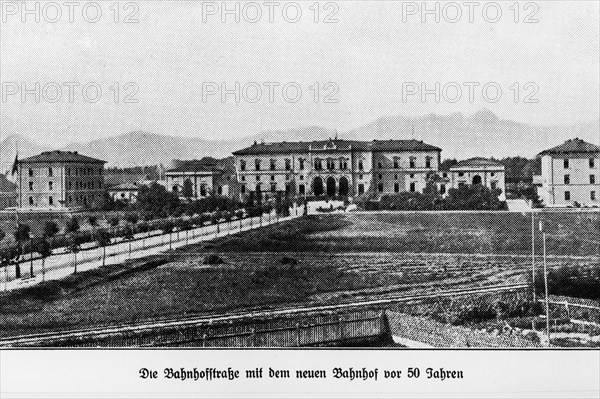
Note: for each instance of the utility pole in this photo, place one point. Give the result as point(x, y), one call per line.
point(546, 283)
point(533, 255)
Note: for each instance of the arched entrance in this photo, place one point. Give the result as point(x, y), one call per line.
point(476, 179)
point(343, 189)
point(330, 186)
point(318, 186)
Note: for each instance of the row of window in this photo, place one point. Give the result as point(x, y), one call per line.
point(78, 198)
point(203, 191)
point(342, 164)
point(567, 179)
point(78, 185)
point(592, 163)
point(76, 171)
point(568, 195)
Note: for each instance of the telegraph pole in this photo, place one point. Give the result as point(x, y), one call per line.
point(533, 255)
point(546, 283)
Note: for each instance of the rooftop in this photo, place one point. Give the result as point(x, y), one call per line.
point(60, 156)
point(125, 187)
point(477, 163)
point(575, 145)
point(284, 147)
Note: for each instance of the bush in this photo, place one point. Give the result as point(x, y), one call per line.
point(213, 260)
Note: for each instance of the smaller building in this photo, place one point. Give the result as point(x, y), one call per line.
point(126, 192)
point(60, 180)
point(483, 171)
point(570, 175)
point(204, 178)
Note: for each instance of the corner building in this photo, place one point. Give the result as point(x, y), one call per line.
point(336, 167)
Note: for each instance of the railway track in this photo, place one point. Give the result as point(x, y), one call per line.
point(174, 323)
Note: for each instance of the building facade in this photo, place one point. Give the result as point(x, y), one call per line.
point(56, 180)
point(336, 167)
point(215, 177)
point(570, 174)
point(487, 172)
point(126, 192)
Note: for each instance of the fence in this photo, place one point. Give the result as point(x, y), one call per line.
point(440, 335)
point(309, 330)
point(581, 309)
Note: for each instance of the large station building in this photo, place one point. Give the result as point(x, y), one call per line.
point(336, 167)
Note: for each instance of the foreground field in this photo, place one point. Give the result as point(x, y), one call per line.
point(314, 260)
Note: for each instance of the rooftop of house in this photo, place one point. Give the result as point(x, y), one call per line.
point(284, 147)
point(124, 187)
point(204, 165)
point(477, 163)
point(61, 156)
point(575, 145)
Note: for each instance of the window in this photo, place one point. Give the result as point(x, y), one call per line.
point(30, 200)
point(257, 164)
point(396, 187)
point(330, 164)
point(396, 177)
point(257, 177)
point(412, 175)
point(287, 188)
point(220, 190)
point(30, 186)
point(301, 163)
point(493, 185)
point(258, 190)
point(243, 178)
point(412, 162)
point(301, 177)
point(566, 163)
point(50, 200)
point(567, 195)
point(444, 174)
point(68, 171)
point(70, 185)
point(380, 176)
point(343, 164)
point(493, 174)
point(301, 189)
point(428, 162)
point(396, 166)
point(592, 179)
point(361, 189)
point(273, 188)
point(380, 187)
point(360, 176)
point(243, 188)
point(50, 171)
point(242, 165)
point(287, 177)
point(70, 199)
point(442, 189)
point(379, 165)
point(593, 195)
point(272, 164)
point(30, 172)
point(288, 164)
point(461, 174)
point(318, 164)
point(567, 179)
point(50, 185)
point(203, 190)
point(272, 177)
point(360, 165)
point(412, 187)
point(592, 162)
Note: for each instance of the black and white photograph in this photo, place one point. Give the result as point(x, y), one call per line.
point(320, 180)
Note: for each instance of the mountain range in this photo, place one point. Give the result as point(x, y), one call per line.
point(459, 136)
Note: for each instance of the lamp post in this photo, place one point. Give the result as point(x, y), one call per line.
point(533, 255)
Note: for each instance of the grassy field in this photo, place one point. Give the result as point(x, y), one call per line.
point(336, 258)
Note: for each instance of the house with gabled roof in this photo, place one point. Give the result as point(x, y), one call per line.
point(484, 171)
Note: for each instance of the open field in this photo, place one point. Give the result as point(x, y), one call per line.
point(330, 259)
point(573, 234)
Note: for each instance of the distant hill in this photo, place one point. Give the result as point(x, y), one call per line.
point(8, 148)
point(459, 136)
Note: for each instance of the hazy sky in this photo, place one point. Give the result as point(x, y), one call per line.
point(370, 57)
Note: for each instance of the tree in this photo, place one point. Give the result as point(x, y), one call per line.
point(188, 189)
point(8, 256)
point(45, 250)
point(156, 199)
point(92, 221)
point(50, 229)
point(103, 238)
point(22, 234)
point(114, 221)
point(128, 236)
point(75, 241)
point(72, 225)
point(132, 218)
